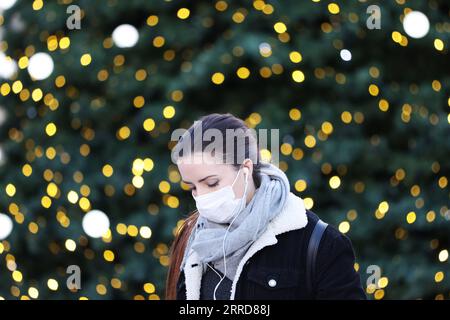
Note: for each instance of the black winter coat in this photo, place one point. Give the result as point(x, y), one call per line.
point(285, 262)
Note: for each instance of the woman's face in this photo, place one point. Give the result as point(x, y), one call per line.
point(205, 176)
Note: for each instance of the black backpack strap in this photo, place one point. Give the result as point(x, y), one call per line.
point(311, 255)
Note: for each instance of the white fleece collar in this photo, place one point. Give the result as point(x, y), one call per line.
point(292, 217)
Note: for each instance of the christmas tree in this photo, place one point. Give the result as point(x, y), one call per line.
point(91, 91)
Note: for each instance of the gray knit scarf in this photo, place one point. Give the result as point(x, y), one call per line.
point(267, 202)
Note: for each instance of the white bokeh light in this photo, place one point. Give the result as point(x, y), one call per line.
point(6, 226)
point(40, 66)
point(6, 4)
point(125, 36)
point(7, 66)
point(346, 55)
point(95, 223)
point(416, 24)
point(265, 49)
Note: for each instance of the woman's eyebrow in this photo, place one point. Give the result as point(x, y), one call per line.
point(202, 179)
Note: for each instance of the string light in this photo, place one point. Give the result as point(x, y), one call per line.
point(416, 24)
point(40, 66)
point(125, 36)
point(279, 57)
point(6, 226)
point(95, 223)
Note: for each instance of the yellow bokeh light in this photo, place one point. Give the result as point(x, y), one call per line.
point(295, 114)
point(327, 127)
point(17, 86)
point(334, 182)
point(383, 282)
point(169, 112)
point(148, 164)
point(439, 276)
point(149, 124)
point(346, 117)
point(33, 292)
point(50, 129)
point(217, 78)
point(238, 17)
point(309, 203)
point(145, 232)
point(121, 229)
point(138, 182)
point(379, 294)
point(159, 41)
point(439, 44)
point(108, 255)
point(64, 42)
point(60, 81)
point(221, 5)
point(265, 154)
point(286, 149)
point(333, 8)
point(17, 276)
point(280, 27)
point(23, 62)
point(132, 230)
point(107, 170)
point(295, 56)
point(124, 132)
point(344, 226)
point(164, 186)
point(300, 185)
point(149, 288)
point(396, 36)
point(33, 227)
point(152, 20)
point(373, 90)
point(46, 202)
point(298, 76)
point(72, 196)
point(5, 89)
point(52, 189)
point(101, 289)
point(243, 72)
point(138, 165)
point(10, 189)
point(173, 202)
point(139, 101)
point(411, 217)
point(85, 59)
point(85, 204)
point(383, 207)
point(70, 245)
point(52, 284)
point(383, 105)
point(310, 141)
point(183, 13)
point(37, 94)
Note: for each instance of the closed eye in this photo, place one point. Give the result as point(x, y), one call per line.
point(215, 184)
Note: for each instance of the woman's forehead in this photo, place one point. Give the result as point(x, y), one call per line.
point(193, 171)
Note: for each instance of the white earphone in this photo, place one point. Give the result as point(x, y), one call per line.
point(246, 171)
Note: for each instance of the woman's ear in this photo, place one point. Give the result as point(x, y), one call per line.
point(248, 167)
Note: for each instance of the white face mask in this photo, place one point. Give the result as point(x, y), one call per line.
point(221, 206)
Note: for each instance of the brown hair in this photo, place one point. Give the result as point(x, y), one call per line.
point(221, 122)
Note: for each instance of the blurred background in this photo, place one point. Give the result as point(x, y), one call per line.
point(90, 92)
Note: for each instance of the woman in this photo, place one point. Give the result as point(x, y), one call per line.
point(249, 237)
